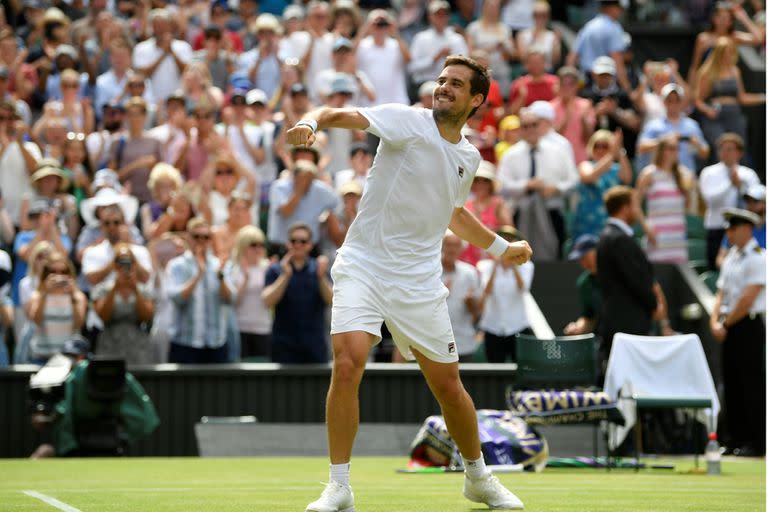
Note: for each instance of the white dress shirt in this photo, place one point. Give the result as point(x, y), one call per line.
point(554, 167)
point(718, 191)
point(504, 312)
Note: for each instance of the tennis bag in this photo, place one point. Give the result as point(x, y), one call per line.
point(504, 439)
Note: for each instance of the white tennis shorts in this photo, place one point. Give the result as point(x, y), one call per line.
point(416, 318)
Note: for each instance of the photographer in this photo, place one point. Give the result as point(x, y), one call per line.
point(57, 308)
point(124, 304)
point(18, 159)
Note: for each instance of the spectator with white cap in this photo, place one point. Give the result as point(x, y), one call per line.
point(546, 114)
point(318, 55)
point(691, 142)
point(612, 105)
point(344, 64)
point(601, 36)
point(340, 94)
point(265, 171)
point(383, 56)
point(430, 47)
point(162, 58)
point(244, 137)
point(262, 63)
point(722, 185)
point(295, 41)
point(107, 195)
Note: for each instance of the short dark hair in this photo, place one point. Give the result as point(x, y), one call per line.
point(480, 83)
point(616, 198)
point(299, 225)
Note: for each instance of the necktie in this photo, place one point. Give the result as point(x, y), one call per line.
point(533, 162)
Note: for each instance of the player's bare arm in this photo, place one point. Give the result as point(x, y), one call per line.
point(469, 228)
point(303, 134)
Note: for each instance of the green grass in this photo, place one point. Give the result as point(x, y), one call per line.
point(288, 484)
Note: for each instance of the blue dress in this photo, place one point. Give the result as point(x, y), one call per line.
point(590, 213)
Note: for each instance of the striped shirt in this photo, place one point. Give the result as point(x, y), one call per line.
point(56, 327)
point(666, 212)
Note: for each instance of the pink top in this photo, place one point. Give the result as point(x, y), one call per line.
point(574, 129)
point(489, 219)
point(197, 159)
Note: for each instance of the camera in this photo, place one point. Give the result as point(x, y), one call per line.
point(381, 23)
point(125, 262)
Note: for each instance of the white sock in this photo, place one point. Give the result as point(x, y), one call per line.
point(340, 473)
point(475, 469)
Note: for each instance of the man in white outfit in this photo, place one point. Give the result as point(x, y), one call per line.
point(388, 268)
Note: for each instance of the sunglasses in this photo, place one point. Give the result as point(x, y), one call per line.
point(57, 272)
point(601, 146)
point(256, 245)
point(529, 125)
point(69, 85)
point(209, 115)
point(224, 172)
point(299, 241)
point(239, 102)
point(136, 84)
point(201, 237)
point(111, 223)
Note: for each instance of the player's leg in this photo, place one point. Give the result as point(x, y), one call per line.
point(480, 485)
point(350, 353)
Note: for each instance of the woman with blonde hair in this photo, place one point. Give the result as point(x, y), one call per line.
point(720, 93)
point(157, 215)
point(541, 36)
point(197, 86)
point(667, 188)
point(488, 33)
point(28, 284)
point(57, 308)
point(244, 280)
point(607, 165)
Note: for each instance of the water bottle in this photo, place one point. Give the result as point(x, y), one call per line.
point(712, 454)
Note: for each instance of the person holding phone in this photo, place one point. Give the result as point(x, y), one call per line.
point(124, 304)
point(57, 308)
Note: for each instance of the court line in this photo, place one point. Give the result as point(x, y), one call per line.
point(51, 501)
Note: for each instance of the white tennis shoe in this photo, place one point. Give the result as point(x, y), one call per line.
point(490, 491)
point(336, 497)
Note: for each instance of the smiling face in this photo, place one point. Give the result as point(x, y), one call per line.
point(452, 99)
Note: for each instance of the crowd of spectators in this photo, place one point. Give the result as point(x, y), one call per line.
point(148, 199)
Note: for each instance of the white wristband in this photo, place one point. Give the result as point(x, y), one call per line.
point(308, 122)
point(498, 247)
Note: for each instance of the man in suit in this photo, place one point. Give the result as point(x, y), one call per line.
point(626, 275)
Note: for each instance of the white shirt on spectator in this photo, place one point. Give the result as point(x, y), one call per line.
point(462, 282)
point(320, 59)
point(517, 14)
point(719, 193)
point(171, 139)
point(167, 76)
point(294, 46)
point(504, 312)
point(252, 134)
point(385, 67)
point(109, 88)
point(14, 178)
point(99, 256)
point(561, 141)
point(553, 166)
point(426, 45)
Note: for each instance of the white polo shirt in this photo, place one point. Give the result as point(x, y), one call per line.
point(462, 282)
point(416, 181)
point(504, 313)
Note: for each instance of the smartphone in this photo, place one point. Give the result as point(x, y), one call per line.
point(684, 138)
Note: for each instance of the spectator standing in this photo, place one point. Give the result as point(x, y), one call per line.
point(124, 304)
point(112, 85)
point(344, 65)
point(722, 185)
point(540, 36)
point(720, 93)
point(220, 62)
point(239, 215)
point(360, 160)
point(624, 272)
point(431, 46)
point(488, 207)
point(18, 160)
point(244, 138)
point(23, 328)
point(602, 36)
point(667, 188)
point(535, 85)
point(164, 183)
point(202, 143)
point(162, 58)
point(691, 142)
point(261, 63)
point(99, 142)
point(737, 323)
point(300, 199)
point(754, 201)
point(134, 153)
point(607, 167)
point(590, 296)
point(172, 133)
point(574, 116)
point(463, 284)
point(57, 308)
point(298, 287)
point(502, 302)
point(244, 277)
point(383, 56)
point(546, 114)
point(488, 33)
point(221, 179)
point(318, 55)
point(198, 333)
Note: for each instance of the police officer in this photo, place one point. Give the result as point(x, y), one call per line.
point(737, 322)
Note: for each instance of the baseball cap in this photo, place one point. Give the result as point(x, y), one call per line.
point(238, 93)
point(438, 5)
point(486, 170)
point(670, 88)
point(293, 12)
point(510, 123)
point(736, 217)
point(542, 110)
point(240, 80)
point(604, 65)
point(298, 88)
point(351, 187)
point(342, 85)
point(267, 21)
point(255, 96)
point(342, 42)
point(756, 192)
point(582, 246)
point(359, 146)
point(65, 49)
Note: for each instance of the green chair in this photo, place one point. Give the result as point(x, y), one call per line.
point(709, 278)
point(564, 361)
point(695, 227)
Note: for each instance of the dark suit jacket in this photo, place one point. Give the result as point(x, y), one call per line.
point(626, 277)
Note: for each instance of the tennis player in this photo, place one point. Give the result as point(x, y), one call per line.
point(388, 268)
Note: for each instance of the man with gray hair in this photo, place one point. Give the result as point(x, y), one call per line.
point(162, 58)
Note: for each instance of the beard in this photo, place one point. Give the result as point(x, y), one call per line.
point(445, 116)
